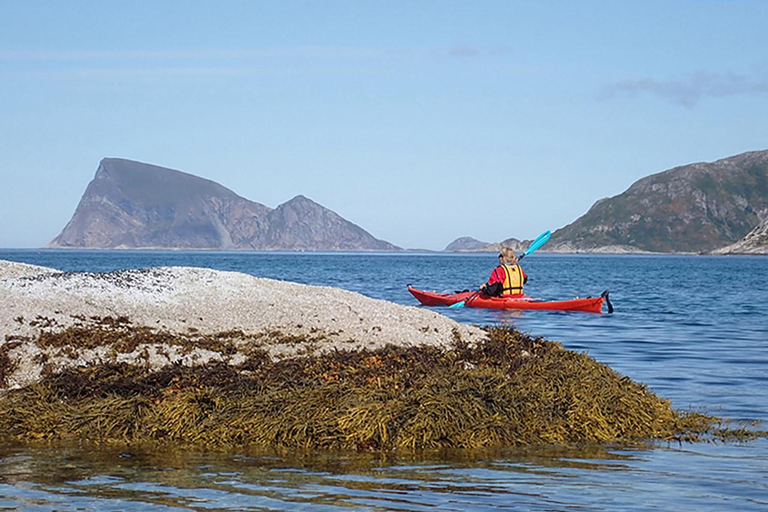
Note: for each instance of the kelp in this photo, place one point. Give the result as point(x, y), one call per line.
point(511, 390)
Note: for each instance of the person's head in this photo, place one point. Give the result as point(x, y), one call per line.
point(508, 256)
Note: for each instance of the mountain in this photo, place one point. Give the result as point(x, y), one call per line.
point(694, 208)
point(465, 243)
point(302, 224)
point(468, 244)
point(755, 242)
point(131, 204)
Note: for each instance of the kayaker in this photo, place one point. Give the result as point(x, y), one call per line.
point(507, 279)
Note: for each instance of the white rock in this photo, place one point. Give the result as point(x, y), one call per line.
point(189, 300)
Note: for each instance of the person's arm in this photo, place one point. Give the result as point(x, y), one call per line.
point(495, 278)
point(495, 283)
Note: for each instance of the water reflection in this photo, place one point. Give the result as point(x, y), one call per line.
point(543, 478)
point(55, 478)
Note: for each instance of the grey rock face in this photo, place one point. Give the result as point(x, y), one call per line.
point(755, 242)
point(135, 205)
point(302, 224)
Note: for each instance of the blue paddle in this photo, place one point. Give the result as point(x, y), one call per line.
point(540, 240)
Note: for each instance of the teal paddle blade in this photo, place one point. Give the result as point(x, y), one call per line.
point(540, 240)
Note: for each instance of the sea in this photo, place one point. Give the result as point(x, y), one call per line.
point(694, 329)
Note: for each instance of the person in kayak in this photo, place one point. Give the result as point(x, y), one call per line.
point(507, 279)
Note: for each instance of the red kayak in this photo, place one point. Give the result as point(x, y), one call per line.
point(476, 300)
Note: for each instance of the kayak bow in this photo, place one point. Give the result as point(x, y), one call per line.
point(474, 300)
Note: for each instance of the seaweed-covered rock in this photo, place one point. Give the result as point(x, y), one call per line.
point(510, 390)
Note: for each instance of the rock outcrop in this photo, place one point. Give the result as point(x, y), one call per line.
point(242, 312)
point(755, 242)
point(133, 205)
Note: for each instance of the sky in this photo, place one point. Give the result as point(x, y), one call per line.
point(421, 121)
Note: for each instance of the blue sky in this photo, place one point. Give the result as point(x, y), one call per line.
point(420, 121)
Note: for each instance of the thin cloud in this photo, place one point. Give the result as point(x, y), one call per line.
point(689, 90)
point(200, 54)
point(207, 62)
point(464, 51)
point(241, 54)
point(163, 63)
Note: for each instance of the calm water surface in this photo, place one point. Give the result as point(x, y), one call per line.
point(694, 329)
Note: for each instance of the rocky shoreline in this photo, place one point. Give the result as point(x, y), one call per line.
point(227, 361)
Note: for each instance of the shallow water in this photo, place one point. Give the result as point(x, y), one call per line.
point(693, 328)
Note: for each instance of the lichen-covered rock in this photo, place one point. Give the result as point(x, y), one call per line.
point(281, 317)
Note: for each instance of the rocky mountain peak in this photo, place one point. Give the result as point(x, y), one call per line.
point(299, 203)
point(132, 204)
point(302, 224)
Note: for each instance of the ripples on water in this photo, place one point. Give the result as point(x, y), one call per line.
point(714, 478)
point(695, 329)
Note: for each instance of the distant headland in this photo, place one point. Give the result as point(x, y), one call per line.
point(134, 205)
point(718, 208)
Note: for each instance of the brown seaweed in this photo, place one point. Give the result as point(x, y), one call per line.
point(511, 390)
